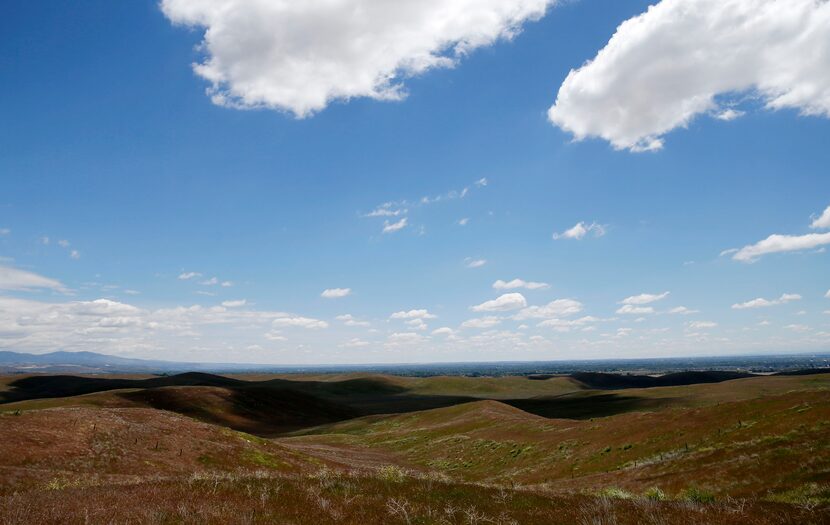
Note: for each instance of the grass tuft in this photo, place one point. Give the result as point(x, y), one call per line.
point(655, 494)
point(698, 495)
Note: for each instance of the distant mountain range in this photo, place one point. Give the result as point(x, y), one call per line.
point(86, 361)
point(91, 362)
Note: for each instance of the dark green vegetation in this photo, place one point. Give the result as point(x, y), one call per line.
point(586, 448)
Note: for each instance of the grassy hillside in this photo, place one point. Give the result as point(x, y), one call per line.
point(78, 447)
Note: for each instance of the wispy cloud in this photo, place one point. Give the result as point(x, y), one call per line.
point(630, 309)
point(350, 320)
point(822, 221)
point(519, 283)
point(481, 322)
point(580, 230)
point(682, 310)
point(14, 279)
point(777, 243)
point(644, 298)
point(475, 263)
point(394, 226)
point(401, 208)
point(234, 303)
point(302, 322)
point(760, 302)
point(335, 293)
point(387, 209)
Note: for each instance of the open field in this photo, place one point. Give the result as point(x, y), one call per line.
point(361, 448)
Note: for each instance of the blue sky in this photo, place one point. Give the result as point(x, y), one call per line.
point(112, 144)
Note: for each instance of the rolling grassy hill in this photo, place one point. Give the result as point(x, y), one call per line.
point(776, 444)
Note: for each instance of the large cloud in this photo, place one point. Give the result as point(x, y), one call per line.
point(668, 65)
point(300, 55)
point(104, 325)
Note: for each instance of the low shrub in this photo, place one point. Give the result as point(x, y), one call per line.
point(391, 474)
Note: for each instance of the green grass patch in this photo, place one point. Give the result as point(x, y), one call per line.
point(655, 494)
point(615, 493)
point(807, 495)
point(263, 459)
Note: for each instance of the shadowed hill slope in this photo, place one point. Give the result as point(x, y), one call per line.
point(42, 386)
point(272, 405)
point(255, 410)
point(618, 381)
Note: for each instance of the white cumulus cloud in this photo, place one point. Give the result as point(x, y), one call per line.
point(299, 56)
point(680, 58)
point(552, 310)
point(776, 243)
point(350, 320)
point(413, 314)
point(503, 303)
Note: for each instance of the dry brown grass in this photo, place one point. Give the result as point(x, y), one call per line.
point(363, 498)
